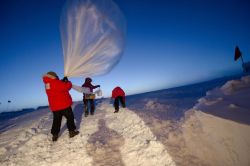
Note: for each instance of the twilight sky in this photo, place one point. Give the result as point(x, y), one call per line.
point(169, 43)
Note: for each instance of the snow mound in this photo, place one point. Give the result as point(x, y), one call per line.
point(235, 85)
point(141, 146)
point(105, 139)
point(217, 141)
point(231, 101)
point(217, 129)
point(154, 105)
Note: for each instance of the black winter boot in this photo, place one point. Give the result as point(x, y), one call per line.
point(73, 133)
point(54, 137)
point(86, 114)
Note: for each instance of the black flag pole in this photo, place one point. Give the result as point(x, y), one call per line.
point(243, 66)
point(241, 57)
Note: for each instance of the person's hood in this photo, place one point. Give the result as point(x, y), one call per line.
point(48, 78)
point(88, 80)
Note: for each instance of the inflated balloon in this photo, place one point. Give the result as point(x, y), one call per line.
point(93, 37)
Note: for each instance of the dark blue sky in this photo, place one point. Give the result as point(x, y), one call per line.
point(169, 43)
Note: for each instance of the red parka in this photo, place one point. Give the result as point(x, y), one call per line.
point(117, 91)
point(58, 93)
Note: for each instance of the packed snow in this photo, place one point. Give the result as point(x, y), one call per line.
point(105, 139)
point(169, 127)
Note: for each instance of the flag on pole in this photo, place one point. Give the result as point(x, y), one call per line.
point(237, 53)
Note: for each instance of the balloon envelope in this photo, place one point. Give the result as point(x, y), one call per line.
point(93, 37)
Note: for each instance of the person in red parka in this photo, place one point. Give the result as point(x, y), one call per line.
point(119, 96)
point(87, 99)
point(60, 103)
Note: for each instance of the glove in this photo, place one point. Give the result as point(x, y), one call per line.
point(98, 86)
point(65, 79)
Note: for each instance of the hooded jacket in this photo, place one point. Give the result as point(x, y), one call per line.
point(57, 92)
point(87, 84)
point(117, 91)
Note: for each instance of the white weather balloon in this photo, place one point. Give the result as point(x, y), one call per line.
point(93, 37)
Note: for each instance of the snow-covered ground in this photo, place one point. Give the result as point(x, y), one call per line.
point(106, 139)
point(168, 127)
point(217, 129)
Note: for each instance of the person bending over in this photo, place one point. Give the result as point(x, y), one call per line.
point(119, 96)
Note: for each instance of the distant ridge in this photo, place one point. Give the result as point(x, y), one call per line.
point(13, 114)
point(209, 84)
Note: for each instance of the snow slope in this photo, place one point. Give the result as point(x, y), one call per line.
point(217, 130)
point(160, 128)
